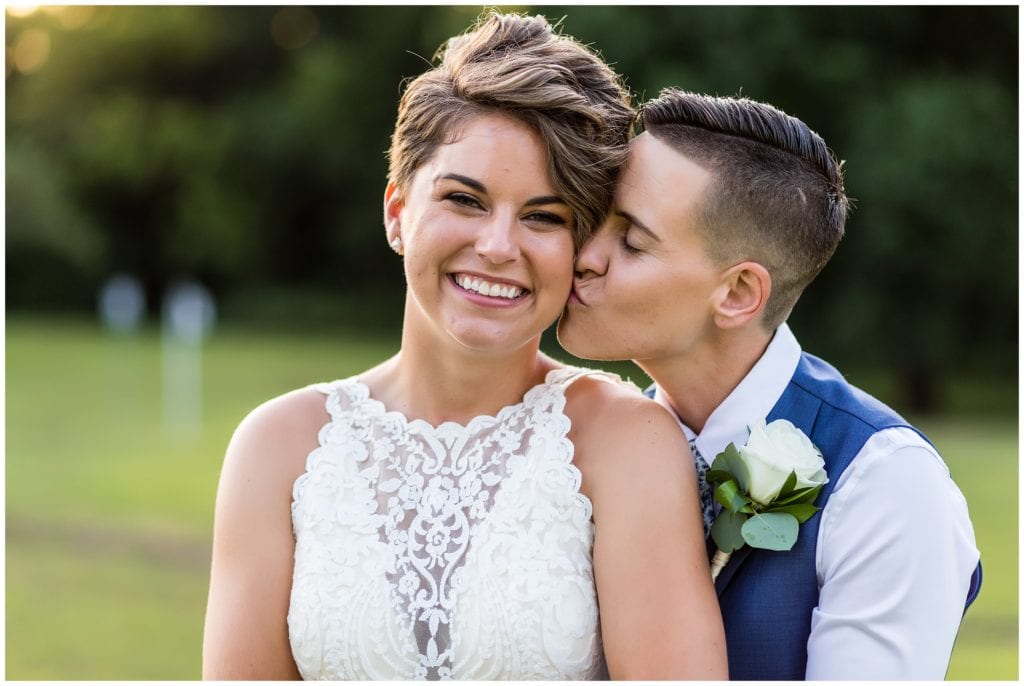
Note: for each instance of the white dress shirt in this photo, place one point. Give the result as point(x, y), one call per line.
point(895, 549)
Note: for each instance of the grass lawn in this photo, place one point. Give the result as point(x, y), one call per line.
point(109, 501)
point(982, 457)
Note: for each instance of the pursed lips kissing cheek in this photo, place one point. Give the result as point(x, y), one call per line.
point(574, 296)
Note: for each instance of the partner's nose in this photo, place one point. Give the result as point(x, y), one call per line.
point(498, 240)
point(593, 255)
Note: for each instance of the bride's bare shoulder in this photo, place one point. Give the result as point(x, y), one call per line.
point(619, 432)
point(602, 395)
point(293, 410)
point(278, 434)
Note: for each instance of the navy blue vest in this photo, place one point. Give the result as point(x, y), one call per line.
point(767, 597)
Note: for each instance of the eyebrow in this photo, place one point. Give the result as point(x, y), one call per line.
point(638, 224)
point(480, 188)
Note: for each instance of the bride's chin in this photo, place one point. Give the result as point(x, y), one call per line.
point(489, 341)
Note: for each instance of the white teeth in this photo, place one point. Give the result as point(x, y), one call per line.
point(493, 290)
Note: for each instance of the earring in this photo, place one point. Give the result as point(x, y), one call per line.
point(396, 245)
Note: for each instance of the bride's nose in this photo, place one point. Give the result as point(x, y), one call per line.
point(498, 240)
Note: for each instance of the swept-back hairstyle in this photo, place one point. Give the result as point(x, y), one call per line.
point(777, 197)
point(519, 66)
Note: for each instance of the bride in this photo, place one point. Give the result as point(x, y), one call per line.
point(462, 509)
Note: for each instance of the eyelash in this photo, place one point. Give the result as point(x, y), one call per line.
point(463, 199)
point(547, 218)
point(626, 246)
point(466, 200)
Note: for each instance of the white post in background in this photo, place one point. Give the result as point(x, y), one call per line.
point(188, 315)
point(122, 304)
point(122, 307)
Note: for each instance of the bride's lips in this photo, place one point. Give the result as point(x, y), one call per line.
point(489, 290)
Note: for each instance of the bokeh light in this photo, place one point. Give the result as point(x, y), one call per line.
point(20, 9)
point(31, 50)
point(72, 17)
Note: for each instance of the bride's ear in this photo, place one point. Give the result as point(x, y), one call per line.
point(742, 296)
point(393, 204)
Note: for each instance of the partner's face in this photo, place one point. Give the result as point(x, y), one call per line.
point(488, 244)
point(644, 283)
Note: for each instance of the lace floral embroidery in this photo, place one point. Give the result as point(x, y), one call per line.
point(424, 492)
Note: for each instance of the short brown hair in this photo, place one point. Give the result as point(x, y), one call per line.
point(777, 197)
point(519, 66)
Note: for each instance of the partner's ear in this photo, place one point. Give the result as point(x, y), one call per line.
point(742, 295)
point(393, 204)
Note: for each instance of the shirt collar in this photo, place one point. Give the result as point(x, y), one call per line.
point(751, 400)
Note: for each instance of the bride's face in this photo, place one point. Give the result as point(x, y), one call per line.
point(487, 242)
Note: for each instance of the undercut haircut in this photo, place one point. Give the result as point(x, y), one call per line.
point(776, 197)
point(519, 66)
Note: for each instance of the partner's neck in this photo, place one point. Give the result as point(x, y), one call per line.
point(697, 382)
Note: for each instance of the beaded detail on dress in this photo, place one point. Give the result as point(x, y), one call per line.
point(449, 552)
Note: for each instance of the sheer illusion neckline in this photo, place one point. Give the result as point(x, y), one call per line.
point(379, 409)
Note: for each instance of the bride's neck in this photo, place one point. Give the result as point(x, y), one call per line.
point(456, 386)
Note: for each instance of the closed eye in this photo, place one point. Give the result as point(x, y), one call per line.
point(630, 226)
point(626, 246)
point(625, 228)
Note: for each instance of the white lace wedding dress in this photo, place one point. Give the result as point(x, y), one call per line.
point(455, 552)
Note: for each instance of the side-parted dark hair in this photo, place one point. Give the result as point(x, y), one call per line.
point(777, 197)
point(519, 66)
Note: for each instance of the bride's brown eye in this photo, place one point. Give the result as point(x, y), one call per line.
point(546, 218)
point(463, 199)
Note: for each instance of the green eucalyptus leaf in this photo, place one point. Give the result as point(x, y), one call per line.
point(737, 466)
point(801, 511)
point(728, 494)
point(727, 531)
point(771, 531)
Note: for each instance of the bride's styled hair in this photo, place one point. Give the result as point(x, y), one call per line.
point(518, 66)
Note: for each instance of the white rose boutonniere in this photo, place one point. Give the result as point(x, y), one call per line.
point(767, 489)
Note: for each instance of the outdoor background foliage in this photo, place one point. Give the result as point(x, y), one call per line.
point(244, 147)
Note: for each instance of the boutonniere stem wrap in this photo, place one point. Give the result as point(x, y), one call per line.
point(766, 489)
